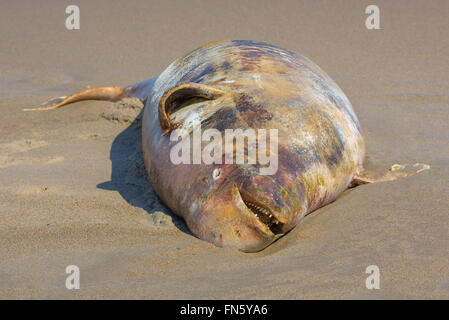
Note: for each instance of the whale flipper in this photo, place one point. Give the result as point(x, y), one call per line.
point(139, 90)
point(396, 171)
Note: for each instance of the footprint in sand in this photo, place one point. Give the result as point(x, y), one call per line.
point(10, 153)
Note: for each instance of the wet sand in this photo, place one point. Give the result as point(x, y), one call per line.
point(73, 189)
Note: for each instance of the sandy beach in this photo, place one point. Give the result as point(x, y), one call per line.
point(73, 188)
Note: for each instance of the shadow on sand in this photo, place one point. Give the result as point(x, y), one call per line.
point(128, 175)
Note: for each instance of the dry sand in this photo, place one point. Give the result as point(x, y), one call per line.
point(72, 186)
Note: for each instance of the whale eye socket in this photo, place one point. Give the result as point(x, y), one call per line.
point(181, 96)
point(216, 173)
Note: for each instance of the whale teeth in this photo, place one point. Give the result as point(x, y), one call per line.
point(264, 215)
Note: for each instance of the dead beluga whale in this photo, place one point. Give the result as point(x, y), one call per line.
point(242, 139)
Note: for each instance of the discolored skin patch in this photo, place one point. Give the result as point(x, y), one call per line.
point(252, 113)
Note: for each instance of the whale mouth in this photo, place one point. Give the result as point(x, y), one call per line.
point(264, 214)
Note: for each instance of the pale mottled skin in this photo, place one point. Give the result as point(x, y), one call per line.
point(264, 87)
